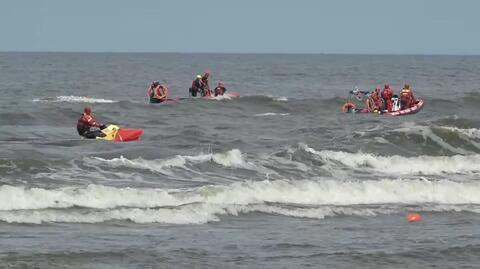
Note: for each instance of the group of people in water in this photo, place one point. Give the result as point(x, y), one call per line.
point(376, 101)
point(384, 100)
point(158, 92)
point(89, 127)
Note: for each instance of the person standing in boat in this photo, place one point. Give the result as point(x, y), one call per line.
point(406, 97)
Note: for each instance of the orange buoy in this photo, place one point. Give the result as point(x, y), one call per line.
point(348, 106)
point(414, 217)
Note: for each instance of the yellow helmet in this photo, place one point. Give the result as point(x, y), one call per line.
point(199, 76)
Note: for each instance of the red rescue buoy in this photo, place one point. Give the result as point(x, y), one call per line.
point(348, 106)
point(414, 217)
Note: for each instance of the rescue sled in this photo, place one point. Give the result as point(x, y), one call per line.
point(363, 97)
point(117, 134)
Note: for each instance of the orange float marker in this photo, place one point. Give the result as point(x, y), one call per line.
point(414, 217)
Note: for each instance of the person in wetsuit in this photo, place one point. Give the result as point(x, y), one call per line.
point(88, 127)
point(157, 92)
point(197, 86)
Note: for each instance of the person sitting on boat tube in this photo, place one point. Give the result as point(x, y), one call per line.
point(157, 92)
point(88, 127)
point(387, 95)
point(220, 89)
point(377, 101)
point(406, 97)
point(197, 86)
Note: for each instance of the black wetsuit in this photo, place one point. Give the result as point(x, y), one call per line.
point(197, 86)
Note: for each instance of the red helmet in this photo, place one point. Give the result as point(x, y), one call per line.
point(87, 110)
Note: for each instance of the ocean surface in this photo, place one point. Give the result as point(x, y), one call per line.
point(278, 178)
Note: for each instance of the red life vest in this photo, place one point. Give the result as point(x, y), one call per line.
point(85, 123)
point(387, 93)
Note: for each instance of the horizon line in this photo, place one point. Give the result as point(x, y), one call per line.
point(241, 53)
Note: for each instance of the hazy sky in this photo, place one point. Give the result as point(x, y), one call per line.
point(272, 26)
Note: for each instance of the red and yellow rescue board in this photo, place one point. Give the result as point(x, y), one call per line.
point(117, 134)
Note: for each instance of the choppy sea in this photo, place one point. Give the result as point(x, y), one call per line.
point(278, 178)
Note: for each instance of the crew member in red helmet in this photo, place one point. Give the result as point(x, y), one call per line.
point(406, 97)
point(387, 95)
point(88, 127)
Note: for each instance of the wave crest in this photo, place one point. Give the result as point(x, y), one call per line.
point(73, 99)
point(399, 165)
point(306, 199)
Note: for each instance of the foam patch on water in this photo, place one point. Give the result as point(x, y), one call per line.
point(281, 99)
point(74, 99)
point(220, 97)
point(268, 114)
point(305, 199)
point(399, 165)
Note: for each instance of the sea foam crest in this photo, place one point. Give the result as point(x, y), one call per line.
point(317, 199)
point(281, 99)
point(471, 132)
point(74, 99)
point(399, 165)
point(271, 114)
point(427, 133)
point(232, 158)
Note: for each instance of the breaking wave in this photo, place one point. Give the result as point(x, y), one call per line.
point(305, 199)
point(232, 158)
point(399, 165)
point(470, 132)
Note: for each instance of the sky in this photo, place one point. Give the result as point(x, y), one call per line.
point(242, 26)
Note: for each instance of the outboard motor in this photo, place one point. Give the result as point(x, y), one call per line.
point(396, 103)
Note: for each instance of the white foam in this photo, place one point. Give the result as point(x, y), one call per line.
point(306, 199)
point(220, 97)
point(93, 196)
point(281, 99)
point(271, 114)
point(188, 214)
point(427, 133)
point(74, 99)
point(399, 165)
point(232, 158)
point(471, 132)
